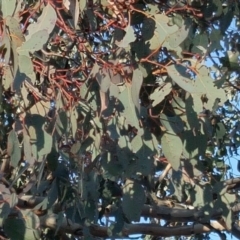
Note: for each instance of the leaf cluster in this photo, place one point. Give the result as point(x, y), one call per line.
point(109, 108)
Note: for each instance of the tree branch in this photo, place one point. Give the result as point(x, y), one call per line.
point(67, 226)
point(164, 172)
point(29, 201)
point(232, 181)
point(164, 211)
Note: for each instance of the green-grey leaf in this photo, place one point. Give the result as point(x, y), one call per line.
point(200, 40)
point(178, 20)
point(128, 111)
point(92, 19)
point(201, 196)
point(26, 67)
point(7, 77)
point(13, 148)
point(162, 28)
point(4, 211)
point(73, 119)
point(191, 146)
point(137, 80)
point(82, 5)
point(14, 228)
point(230, 60)
point(172, 149)
point(172, 124)
point(15, 31)
point(31, 219)
point(47, 144)
point(215, 36)
point(35, 43)
point(159, 93)
point(104, 80)
point(220, 130)
point(74, 10)
point(176, 38)
point(226, 203)
point(148, 28)
point(133, 200)
point(46, 21)
point(128, 38)
point(8, 7)
point(226, 19)
point(202, 85)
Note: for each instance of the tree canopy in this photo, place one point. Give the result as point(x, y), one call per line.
point(115, 111)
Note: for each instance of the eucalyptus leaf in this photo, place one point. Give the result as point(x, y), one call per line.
point(8, 7)
point(26, 67)
point(214, 38)
point(92, 19)
point(13, 148)
point(225, 203)
point(128, 107)
point(202, 85)
point(176, 38)
point(104, 80)
point(133, 200)
point(172, 148)
point(231, 60)
point(128, 37)
point(162, 28)
point(15, 30)
point(5, 211)
point(203, 195)
point(172, 124)
point(46, 21)
point(137, 80)
point(148, 28)
point(116, 112)
point(159, 93)
point(82, 5)
point(15, 228)
point(35, 43)
point(7, 78)
point(226, 19)
point(73, 7)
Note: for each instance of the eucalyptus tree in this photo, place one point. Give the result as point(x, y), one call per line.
point(113, 111)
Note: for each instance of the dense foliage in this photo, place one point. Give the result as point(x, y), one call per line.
point(116, 110)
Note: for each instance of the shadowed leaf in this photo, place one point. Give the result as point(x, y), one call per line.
point(133, 200)
point(13, 148)
point(172, 148)
point(137, 80)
